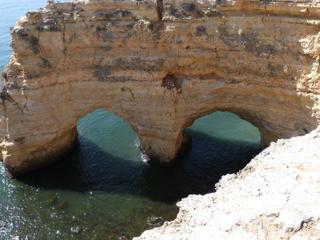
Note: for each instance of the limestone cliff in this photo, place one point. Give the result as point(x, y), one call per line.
point(276, 196)
point(259, 59)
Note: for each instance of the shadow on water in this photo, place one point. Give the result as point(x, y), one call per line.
point(104, 188)
point(195, 173)
point(110, 195)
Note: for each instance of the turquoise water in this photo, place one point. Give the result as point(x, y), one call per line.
point(10, 12)
point(103, 190)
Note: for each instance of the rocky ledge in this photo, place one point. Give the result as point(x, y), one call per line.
point(276, 196)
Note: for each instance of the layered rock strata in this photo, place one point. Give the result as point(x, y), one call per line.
point(258, 59)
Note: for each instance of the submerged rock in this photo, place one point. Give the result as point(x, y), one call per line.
point(154, 221)
point(75, 229)
point(53, 201)
point(63, 205)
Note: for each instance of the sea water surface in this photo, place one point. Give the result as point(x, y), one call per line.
point(103, 190)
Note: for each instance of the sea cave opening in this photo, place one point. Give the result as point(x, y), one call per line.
point(106, 189)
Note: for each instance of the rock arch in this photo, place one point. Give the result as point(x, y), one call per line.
point(159, 76)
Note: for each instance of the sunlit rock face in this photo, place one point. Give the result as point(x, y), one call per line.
point(274, 197)
point(259, 60)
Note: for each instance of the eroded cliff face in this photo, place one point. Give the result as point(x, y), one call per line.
point(258, 59)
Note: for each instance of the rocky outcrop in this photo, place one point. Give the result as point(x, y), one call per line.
point(259, 59)
point(276, 196)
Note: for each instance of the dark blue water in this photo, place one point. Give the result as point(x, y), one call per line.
point(103, 190)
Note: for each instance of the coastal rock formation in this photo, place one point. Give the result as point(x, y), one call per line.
point(276, 196)
point(159, 72)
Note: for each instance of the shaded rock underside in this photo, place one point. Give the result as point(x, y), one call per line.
point(257, 59)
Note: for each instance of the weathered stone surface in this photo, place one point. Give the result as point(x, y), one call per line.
point(276, 196)
point(258, 59)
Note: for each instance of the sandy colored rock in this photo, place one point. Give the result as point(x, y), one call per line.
point(258, 59)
